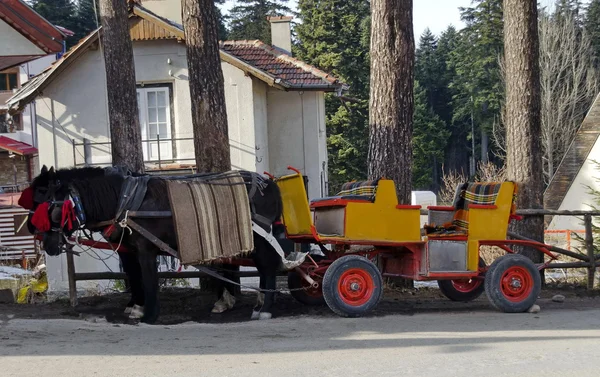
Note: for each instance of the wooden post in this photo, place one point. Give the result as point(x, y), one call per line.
point(72, 282)
point(589, 246)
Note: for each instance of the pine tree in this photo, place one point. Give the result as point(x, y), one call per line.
point(223, 33)
point(478, 76)
point(428, 69)
point(429, 140)
point(248, 20)
point(334, 36)
point(523, 120)
point(58, 12)
point(86, 20)
point(125, 131)
point(592, 27)
point(209, 115)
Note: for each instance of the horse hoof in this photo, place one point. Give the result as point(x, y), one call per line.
point(225, 302)
point(136, 312)
point(255, 315)
point(128, 310)
point(263, 315)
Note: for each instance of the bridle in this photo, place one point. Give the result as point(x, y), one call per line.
point(67, 213)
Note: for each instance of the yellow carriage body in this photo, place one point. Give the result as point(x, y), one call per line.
point(481, 213)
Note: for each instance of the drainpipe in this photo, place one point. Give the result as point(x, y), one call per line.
point(54, 133)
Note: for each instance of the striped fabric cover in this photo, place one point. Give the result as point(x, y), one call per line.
point(474, 193)
point(212, 219)
point(360, 188)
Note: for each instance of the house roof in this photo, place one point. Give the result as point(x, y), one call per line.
point(574, 158)
point(264, 62)
point(291, 72)
point(18, 147)
point(38, 83)
point(32, 26)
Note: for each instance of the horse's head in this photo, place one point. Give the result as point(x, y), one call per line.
point(45, 198)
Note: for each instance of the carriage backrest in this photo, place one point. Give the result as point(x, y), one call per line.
point(483, 193)
point(360, 189)
point(297, 217)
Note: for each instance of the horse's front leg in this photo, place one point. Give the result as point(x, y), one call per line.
point(131, 267)
point(147, 259)
point(226, 291)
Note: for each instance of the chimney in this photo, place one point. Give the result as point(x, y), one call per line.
point(281, 35)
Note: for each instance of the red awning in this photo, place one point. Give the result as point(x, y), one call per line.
point(20, 148)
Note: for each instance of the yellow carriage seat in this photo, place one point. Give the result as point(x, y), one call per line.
point(481, 210)
point(366, 212)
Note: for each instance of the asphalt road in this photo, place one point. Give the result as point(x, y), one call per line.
point(556, 342)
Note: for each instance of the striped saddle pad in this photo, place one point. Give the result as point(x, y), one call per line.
point(211, 218)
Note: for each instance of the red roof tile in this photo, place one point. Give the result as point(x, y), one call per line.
point(293, 72)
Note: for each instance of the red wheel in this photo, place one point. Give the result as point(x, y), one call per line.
point(463, 290)
point(513, 283)
point(356, 286)
point(352, 285)
point(309, 295)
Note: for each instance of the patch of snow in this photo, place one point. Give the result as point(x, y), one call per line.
point(4, 276)
point(14, 271)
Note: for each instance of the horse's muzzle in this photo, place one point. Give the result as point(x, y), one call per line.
point(51, 242)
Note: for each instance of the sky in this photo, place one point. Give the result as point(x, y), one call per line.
point(435, 14)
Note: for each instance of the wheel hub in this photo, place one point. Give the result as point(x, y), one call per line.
point(356, 286)
point(516, 283)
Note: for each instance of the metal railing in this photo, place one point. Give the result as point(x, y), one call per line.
point(160, 161)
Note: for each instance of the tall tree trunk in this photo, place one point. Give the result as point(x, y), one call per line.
point(125, 132)
point(391, 101)
point(207, 89)
point(523, 120)
point(391, 98)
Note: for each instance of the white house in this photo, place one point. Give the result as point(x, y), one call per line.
point(28, 44)
point(570, 187)
point(275, 105)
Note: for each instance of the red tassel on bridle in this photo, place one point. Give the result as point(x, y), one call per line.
point(26, 199)
point(68, 214)
point(40, 218)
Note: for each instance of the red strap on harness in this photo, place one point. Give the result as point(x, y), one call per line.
point(516, 217)
point(68, 214)
point(40, 218)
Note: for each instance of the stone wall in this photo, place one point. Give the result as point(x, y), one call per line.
point(7, 175)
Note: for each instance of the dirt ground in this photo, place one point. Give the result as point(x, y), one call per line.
point(179, 305)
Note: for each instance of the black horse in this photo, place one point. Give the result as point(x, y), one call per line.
point(100, 192)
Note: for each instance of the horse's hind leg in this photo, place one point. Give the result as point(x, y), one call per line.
point(131, 267)
point(270, 284)
point(147, 259)
point(260, 299)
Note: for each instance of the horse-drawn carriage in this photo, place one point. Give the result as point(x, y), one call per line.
point(363, 233)
point(447, 249)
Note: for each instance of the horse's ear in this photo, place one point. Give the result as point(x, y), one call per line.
point(44, 169)
point(51, 172)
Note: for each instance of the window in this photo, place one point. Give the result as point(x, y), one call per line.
point(155, 120)
point(8, 81)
